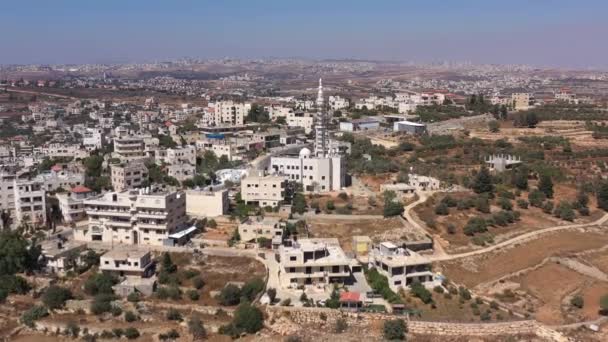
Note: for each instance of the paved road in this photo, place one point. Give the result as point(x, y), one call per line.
point(41, 93)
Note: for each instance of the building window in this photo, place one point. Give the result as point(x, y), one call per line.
point(292, 258)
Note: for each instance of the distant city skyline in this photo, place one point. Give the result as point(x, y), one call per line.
point(543, 33)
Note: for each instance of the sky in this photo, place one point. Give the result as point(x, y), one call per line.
point(537, 32)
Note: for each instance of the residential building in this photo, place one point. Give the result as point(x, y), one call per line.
point(365, 124)
point(301, 119)
point(409, 127)
point(313, 261)
point(93, 139)
point(502, 162)
point(30, 202)
point(133, 174)
point(254, 228)
point(316, 174)
point(401, 266)
point(521, 101)
point(127, 263)
point(203, 203)
point(136, 217)
point(61, 177)
point(129, 148)
point(230, 112)
point(263, 190)
point(181, 171)
point(337, 103)
point(59, 255)
point(72, 203)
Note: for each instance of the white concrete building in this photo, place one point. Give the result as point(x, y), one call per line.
point(254, 228)
point(128, 175)
point(30, 202)
point(263, 190)
point(401, 266)
point(60, 177)
point(181, 171)
point(316, 174)
point(301, 119)
point(313, 261)
point(337, 103)
point(230, 112)
point(136, 217)
point(93, 139)
point(202, 203)
point(127, 263)
point(184, 154)
point(57, 150)
point(72, 203)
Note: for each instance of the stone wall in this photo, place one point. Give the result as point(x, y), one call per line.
point(280, 316)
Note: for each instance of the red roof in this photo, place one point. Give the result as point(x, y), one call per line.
point(350, 297)
point(56, 167)
point(168, 123)
point(79, 189)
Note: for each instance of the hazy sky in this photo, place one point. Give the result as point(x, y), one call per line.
point(540, 32)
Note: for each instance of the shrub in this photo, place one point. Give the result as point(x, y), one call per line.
point(548, 207)
point(102, 303)
point(196, 328)
point(341, 325)
point(482, 204)
point(130, 316)
point(116, 311)
point(33, 314)
point(251, 289)
point(118, 332)
point(442, 209)
point(379, 283)
point(505, 204)
point(577, 301)
point(247, 318)
point(198, 283)
point(55, 297)
point(174, 315)
point(564, 211)
point(486, 316)
point(343, 196)
point(230, 295)
point(438, 289)
point(133, 297)
point(522, 203)
point(131, 333)
point(494, 305)
point(536, 198)
point(286, 302)
point(464, 293)
point(418, 290)
point(451, 228)
point(100, 283)
point(394, 329)
point(193, 295)
point(475, 225)
point(72, 329)
point(330, 205)
point(272, 294)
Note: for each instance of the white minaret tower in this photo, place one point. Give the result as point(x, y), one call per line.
point(320, 125)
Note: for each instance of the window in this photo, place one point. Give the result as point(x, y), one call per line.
point(293, 258)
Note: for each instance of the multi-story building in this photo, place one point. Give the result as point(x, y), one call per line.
point(30, 202)
point(181, 171)
point(61, 177)
point(57, 150)
point(128, 175)
point(185, 154)
point(92, 139)
point(301, 119)
point(72, 203)
point(337, 103)
point(202, 203)
point(254, 228)
point(129, 148)
point(313, 261)
point(230, 112)
point(136, 217)
point(125, 263)
point(401, 266)
point(263, 190)
point(316, 174)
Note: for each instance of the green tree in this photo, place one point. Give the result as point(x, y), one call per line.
point(394, 330)
point(602, 196)
point(483, 182)
point(55, 297)
point(247, 319)
point(230, 295)
point(546, 185)
point(196, 328)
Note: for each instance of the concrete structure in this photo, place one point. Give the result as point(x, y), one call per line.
point(366, 124)
point(263, 190)
point(72, 203)
point(93, 139)
point(301, 119)
point(409, 127)
point(254, 228)
point(313, 261)
point(129, 148)
point(400, 189)
point(202, 203)
point(61, 177)
point(401, 266)
point(128, 175)
point(60, 256)
point(134, 217)
point(184, 154)
point(230, 112)
point(124, 263)
point(337, 103)
point(316, 174)
point(361, 245)
point(181, 171)
point(30, 202)
point(502, 162)
point(521, 101)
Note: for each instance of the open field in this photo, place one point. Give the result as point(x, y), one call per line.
point(345, 230)
point(481, 269)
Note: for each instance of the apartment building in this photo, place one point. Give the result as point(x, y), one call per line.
point(401, 266)
point(230, 112)
point(30, 202)
point(313, 261)
point(301, 119)
point(93, 139)
point(275, 112)
point(136, 217)
point(181, 171)
point(207, 203)
point(61, 177)
point(128, 148)
point(320, 174)
point(337, 103)
point(234, 148)
point(58, 150)
point(128, 175)
point(185, 154)
point(263, 190)
point(254, 228)
point(72, 203)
